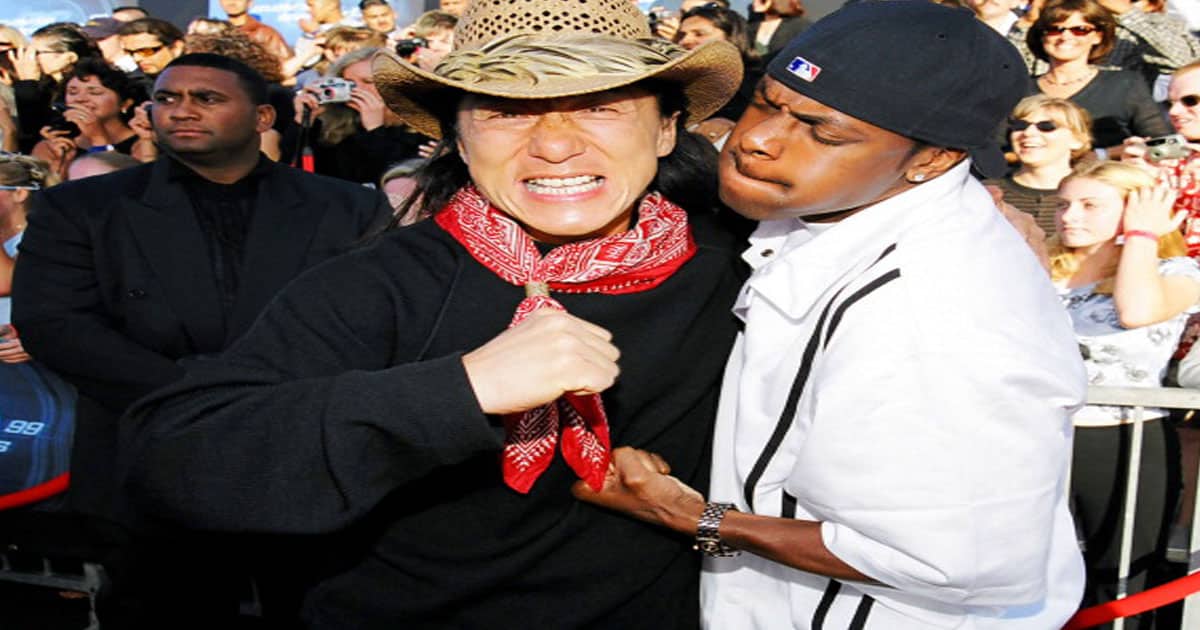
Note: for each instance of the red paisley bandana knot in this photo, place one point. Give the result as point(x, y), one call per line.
point(636, 260)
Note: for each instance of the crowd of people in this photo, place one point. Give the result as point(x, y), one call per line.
point(493, 319)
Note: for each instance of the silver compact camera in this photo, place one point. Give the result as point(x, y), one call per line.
point(334, 90)
point(1170, 147)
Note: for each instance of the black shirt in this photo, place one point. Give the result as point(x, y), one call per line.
point(224, 212)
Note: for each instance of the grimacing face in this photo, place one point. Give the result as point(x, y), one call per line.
point(566, 168)
point(791, 156)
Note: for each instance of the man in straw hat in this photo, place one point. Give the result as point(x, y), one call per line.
point(893, 437)
point(433, 397)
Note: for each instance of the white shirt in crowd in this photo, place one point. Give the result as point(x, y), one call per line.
point(1116, 356)
point(932, 435)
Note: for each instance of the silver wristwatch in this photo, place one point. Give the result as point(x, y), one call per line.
point(708, 535)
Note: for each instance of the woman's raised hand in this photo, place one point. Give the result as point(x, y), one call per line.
point(1149, 210)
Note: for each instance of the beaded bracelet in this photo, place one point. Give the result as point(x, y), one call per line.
point(1143, 233)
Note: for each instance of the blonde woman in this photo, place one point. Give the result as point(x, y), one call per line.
point(1118, 262)
point(1048, 135)
point(20, 177)
point(39, 407)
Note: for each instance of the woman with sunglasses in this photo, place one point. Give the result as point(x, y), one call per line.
point(1118, 264)
point(41, 70)
point(1072, 36)
point(1048, 135)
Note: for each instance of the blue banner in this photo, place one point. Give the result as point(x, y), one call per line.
point(27, 17)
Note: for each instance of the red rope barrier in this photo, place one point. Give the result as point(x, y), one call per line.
point(36, 493)
point(1156, 597)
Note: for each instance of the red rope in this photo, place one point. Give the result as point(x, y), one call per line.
point(36, 493)
point(1156, 597)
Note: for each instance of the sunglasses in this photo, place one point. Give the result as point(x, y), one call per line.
point(33, 186)
point(148, 51)
point(1044, 126)
point(1191, 100)
point(1077, 31)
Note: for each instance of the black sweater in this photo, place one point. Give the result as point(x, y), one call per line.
point(346, 408)
point(1120, 105)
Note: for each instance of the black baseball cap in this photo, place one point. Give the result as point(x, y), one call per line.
point(928, 72)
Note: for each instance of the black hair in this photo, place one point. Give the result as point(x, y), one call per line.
point(251, 81)
point(726, 20)
point(67, 37)
point(687, 176)
point(113, 79)
point(362, 6)
point(166, 32)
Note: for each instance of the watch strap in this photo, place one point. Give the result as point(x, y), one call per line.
point(708, 531)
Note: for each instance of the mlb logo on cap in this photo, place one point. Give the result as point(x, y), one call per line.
point(804, 69)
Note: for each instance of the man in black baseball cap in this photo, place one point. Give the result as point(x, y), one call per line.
point(894, 429)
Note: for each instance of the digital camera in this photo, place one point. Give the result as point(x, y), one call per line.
point(1170, 147)
point(60, 123)
point(334, 90)
point(406, 47)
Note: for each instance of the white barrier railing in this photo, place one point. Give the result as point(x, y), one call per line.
point(1139, 398)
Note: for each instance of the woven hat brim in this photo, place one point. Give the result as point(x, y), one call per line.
point(709, 75)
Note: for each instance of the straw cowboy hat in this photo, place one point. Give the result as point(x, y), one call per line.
point(533, 49)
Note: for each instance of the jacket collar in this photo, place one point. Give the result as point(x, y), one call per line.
point(165, 226)
point(808, 260)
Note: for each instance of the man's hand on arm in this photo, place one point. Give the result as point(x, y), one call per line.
point(639, 484)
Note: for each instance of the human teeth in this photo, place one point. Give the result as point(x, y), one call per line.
point(563, 185)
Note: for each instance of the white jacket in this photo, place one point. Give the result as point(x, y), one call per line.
point(931, 435)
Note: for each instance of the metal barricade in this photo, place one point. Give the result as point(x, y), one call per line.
point(1139, 399)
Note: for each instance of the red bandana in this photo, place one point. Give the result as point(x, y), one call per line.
point(632, 261)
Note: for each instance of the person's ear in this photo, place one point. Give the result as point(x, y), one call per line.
point(21, 195)
point(929, 162)
point(462, 151)
point(264, 117)
point(667, 134)
point(176, 49)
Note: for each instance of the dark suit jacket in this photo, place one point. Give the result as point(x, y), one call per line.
point(115, 283)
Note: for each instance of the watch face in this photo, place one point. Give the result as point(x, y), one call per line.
point(710, 547)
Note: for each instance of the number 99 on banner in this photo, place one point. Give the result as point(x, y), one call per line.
point(23, 427)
